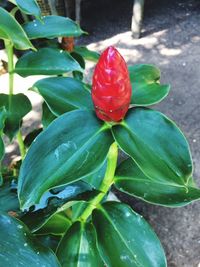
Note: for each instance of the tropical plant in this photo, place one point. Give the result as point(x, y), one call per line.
point(54, 203)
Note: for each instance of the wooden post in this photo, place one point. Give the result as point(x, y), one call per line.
point(138, 7)
point(78, 11)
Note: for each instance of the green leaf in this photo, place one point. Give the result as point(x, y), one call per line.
point(77, 209)
point(55, 201)
point(2, 118)
point(60, 94)
point(46, 61)
point(19, 248)
point(86, 53)
point(73, 146)
point(78, 247)
point(79, 59)
point(146, 87)
point(95, 179)
point(47, 116)
point(50, 241)
point(2, 149)
point(11, 30)
point(8, 198)
point(156, 144)
point(58, 224)
point(130, 179)
point(52, 27)
point(20, 106)
point(125, 239)
point(30, 137)
point(29, 7)
point(2, 152)
point(77, 74)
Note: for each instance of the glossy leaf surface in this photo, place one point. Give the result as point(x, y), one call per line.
point(46, 61)
point(125, 239)
point(130, 179)
point(156, 145)
point(11, 30)
point(68, 154)
point(52, 27)
point(96, 178)
point(56, 225)
point(60, 94)
point(20, 106)
point(78, 247)
point(86, 53)
point(19, 248)
point(29, 7)
point(146, 87)
point(55, 201)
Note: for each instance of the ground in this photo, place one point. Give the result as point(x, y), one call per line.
point(171, 40)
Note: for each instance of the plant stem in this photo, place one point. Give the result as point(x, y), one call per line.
point(106, 183)
point(21, 144)
point(9, 50)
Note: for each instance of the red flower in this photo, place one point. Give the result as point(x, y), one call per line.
point(111, 87)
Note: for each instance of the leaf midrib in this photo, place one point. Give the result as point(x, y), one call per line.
point(119, 234)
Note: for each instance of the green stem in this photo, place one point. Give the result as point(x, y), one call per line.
point(106, 183)
point(21, 144)
point(9, 50)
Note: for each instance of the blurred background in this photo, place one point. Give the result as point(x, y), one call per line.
point(170, 39)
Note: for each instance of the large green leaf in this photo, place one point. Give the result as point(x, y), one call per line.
point(52, 27)
point(19, 248)
point(130, 179)
point(60, 94)
point(86, 53)
point(146, 87)
point(73, 146)
point(78, 247)
point(29, 7)
point(156, 145)
point(46, 61)
point(125, 239)
point(55, 201)
point(20, 106)
point(11, 30)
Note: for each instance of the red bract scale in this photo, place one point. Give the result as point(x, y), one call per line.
point(111, 87)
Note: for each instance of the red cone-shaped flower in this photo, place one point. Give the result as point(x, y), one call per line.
point(111, 87)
